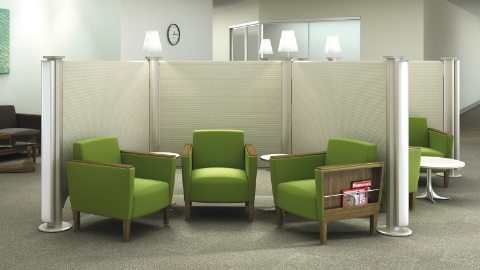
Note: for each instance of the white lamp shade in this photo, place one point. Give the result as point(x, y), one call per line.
point(265, 47)
point(332, 45)
point(152, 42)
point(288, 42)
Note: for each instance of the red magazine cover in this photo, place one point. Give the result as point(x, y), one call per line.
point(363, 183)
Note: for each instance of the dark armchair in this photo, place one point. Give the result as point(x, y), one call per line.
point(16, 128)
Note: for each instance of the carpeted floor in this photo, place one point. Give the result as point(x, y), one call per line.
point(445, 234)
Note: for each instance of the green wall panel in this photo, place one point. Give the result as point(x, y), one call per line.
point(4, 41)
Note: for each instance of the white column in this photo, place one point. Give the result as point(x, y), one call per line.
point(286, 105)
point(456, 118)
point(154, 122)
point(52, 146)
point(451, 106)
point(396, 167)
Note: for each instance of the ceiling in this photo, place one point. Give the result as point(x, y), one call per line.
point(223, 4)
point(472, 6)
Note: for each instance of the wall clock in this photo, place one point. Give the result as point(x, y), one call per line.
point(173, 34)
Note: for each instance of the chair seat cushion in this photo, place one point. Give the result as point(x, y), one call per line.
point(20, 131)
point(149, 196)
point(429, 152)
point(298, 197)
point(218, 184)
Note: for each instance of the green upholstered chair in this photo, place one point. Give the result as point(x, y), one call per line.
point(414, 156)
point(103, 180)
point(433, 142)
point(303, 184)
point(219, 168)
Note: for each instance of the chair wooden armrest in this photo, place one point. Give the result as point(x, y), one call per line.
point(116, 165)
point(251, 151)
point(299, 155)
point(440, 131)
point(146, 154)
point(187, 149)
point(349, 166)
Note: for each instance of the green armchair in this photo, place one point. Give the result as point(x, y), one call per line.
point(105, 181)
point(432, 142)
point(219, 168)
point(310, 185)
point(414, 156)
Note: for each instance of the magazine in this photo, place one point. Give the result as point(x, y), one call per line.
point(363, 183)
point(354, 196)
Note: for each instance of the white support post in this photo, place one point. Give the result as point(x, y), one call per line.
point(451, 106)
point(456, 119)
point(286, 105)
point(154, 122)
point(52, 146)
point(396, 176)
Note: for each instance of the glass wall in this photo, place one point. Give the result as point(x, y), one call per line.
point(311, 38)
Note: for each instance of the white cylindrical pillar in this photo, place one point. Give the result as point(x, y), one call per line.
point(52, 145)
point(451, 106)
point(396, 176)
point(154, 121)
point(286, 105)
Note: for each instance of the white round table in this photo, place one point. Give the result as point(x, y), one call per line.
point(267, 157)
point(167, 153)
point(430, 163)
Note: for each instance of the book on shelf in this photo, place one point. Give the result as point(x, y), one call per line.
point(354, 196)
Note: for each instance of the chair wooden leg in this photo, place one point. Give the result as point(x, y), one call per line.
point(322, 227)
point(373, 224)
point(279, 213)
point(446, 178)
point(76, 220)
point(34, 154)
point(187, 210)
point(250, 211)
point(126, 230)
point(412, 199)
point(166, 215)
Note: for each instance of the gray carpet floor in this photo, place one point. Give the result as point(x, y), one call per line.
point(445, 234)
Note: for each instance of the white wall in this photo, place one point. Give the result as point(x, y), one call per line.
point(85, 30)
point(193, 17)
point(223, 19)
point(386, 27)
point(76, 29)
point(453, 32)
point(28, 44)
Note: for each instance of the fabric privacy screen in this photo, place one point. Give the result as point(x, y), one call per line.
point(105, 99)
point(338, 99)
point(221, 95)
point(426, 91)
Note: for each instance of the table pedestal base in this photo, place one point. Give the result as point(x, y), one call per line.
point(429, 193)
point(397, 231)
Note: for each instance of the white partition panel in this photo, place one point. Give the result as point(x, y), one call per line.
point(426, 91)
point(106, 99)
point(221, 95)
point(338, 99)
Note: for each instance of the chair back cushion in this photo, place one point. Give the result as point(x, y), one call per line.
point(344, 151)
point(418, 131)
point(8, 117)
point(218, 148)
point(103, 149)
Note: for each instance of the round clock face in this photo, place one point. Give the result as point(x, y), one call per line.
point(173, 34)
